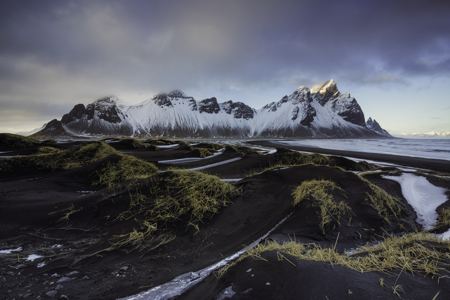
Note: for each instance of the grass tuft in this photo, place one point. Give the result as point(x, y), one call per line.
point(414, 253)
point(241, 149)
point(443, 220)
point(385, 205)
point(136, 144)
point(124, 168)
point(444, 217)
point(200, 152)
point(320, 193)
point(189, 195)
point(46, 150)
point(288, 158)
point(176, 197)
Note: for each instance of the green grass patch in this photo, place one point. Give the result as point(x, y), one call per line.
point(320, 193)
point(15, 141)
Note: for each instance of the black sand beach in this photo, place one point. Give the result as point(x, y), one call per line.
point(437, 165)
point(108, 242)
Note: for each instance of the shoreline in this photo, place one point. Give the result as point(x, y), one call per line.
point(438, 165)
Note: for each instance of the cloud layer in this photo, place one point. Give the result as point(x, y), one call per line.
point(58, 53)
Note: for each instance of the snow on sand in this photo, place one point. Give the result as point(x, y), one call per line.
point(423, 196)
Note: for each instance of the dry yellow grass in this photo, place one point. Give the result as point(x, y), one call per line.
point(320, 193)
point(415, 253)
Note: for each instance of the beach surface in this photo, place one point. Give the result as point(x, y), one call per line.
point(63, 237)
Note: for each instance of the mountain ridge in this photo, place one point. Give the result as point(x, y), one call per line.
point(321, 112)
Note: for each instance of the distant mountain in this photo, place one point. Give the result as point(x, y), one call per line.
point(25, 133)
point(374, 126)
point(318, 112)
point(427, 135)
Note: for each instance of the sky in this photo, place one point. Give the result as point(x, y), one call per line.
point(393, 56)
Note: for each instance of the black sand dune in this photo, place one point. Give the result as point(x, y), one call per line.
point(108, 242)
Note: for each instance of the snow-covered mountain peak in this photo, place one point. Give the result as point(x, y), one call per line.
point(165, 99)
point(108, 100)
point(328, 86)
point(300, 95)
point(303, 88)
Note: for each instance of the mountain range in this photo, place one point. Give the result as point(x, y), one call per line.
point(426, 135)
point(319, 112)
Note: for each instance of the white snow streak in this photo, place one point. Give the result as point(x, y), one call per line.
point(189, 159)
point(216, 164)
point(32, 257)
point(167, 146)
point(8, 251)
point(423, 196)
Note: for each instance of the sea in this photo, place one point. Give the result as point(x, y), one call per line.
point(425, 148)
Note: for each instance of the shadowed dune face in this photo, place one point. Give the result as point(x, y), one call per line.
point(128, 217)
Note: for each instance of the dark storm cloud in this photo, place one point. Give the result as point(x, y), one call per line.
point(65, 50)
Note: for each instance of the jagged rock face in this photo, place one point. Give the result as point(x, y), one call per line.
point(238, 109)
point(271, 106)
point(320, 112)
point(326, 91)
point(374, 126)
point(168, 100)
point(343, 104)
point(302, 94)
point(101, 117)
point(162, 100)
point(209, 106)
point(299, 105)
point(347, 107)
point(108, 113)
point(76, 113)
point(309, 115)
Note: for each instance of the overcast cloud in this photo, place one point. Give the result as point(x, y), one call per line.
point(55, 54)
